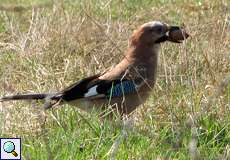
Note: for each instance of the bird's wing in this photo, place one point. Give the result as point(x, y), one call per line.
point(93, 87)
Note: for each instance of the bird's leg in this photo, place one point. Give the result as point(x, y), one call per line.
point(126, 127)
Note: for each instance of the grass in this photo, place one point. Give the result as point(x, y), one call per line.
point(55, 44)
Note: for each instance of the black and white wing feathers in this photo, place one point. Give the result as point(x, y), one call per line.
point(92, 88)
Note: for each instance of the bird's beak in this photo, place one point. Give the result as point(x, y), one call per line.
point(176, 34)
point(173, 34)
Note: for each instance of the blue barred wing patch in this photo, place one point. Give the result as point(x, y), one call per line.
point(121, 89)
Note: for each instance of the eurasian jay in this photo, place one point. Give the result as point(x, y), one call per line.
point(125, 86)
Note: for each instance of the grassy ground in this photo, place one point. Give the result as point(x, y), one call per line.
point(45, 46)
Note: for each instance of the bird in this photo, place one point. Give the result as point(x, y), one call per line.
point(124, 87)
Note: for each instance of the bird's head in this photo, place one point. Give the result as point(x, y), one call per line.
point(157, 32)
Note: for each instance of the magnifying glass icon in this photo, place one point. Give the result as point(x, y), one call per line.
point(9, 147)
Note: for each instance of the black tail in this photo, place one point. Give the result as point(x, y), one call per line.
point(35, 96)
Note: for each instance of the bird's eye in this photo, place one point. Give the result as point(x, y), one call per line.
point(159, 30)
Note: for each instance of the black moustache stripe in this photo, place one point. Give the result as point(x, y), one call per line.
point(162, 39)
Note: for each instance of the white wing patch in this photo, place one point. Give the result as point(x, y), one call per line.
point(92, 92)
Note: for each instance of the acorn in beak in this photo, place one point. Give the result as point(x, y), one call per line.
point(177, 34)
point(174, 34)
